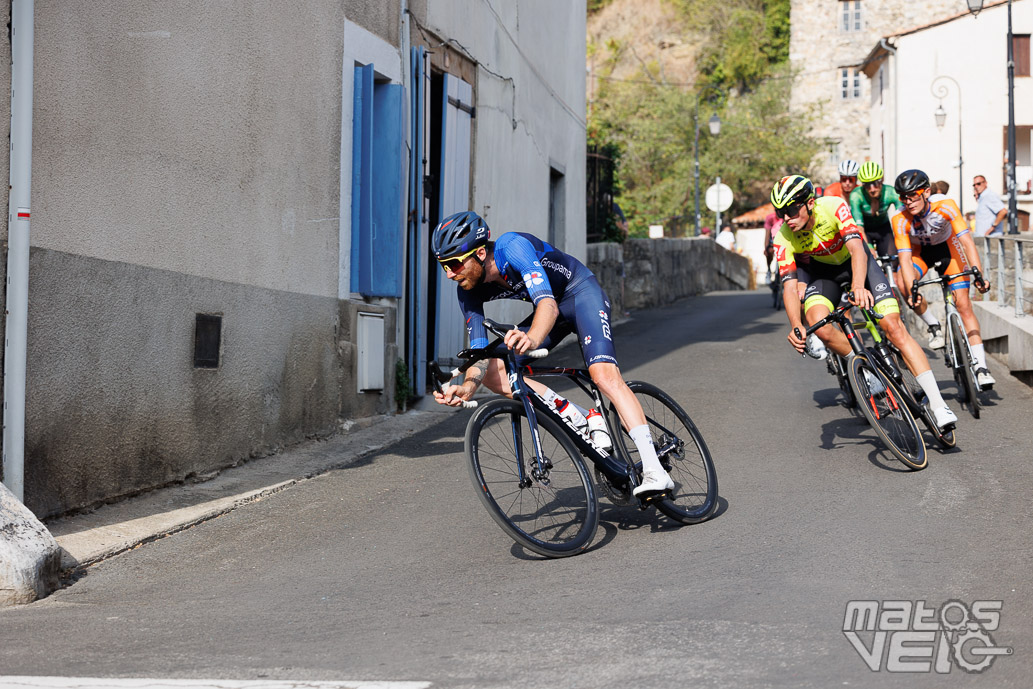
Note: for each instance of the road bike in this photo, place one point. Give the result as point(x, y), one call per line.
point(527, 461)
point(958, 353)
point(889, 359)
point(879, 398)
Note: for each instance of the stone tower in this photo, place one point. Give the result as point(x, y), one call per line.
point(829, 39)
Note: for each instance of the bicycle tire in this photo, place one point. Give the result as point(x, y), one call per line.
point(556, 515)
point(966, 377)
point(888, 414)
point(836, 366)
point(913, 388)
point(682, 452)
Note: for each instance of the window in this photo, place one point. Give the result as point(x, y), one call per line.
point(1020, 51)
point(850, 15)
point(378, 143)
point(849, 83)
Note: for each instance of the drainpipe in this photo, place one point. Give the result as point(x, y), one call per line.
point(896, 108)
point(18, 246)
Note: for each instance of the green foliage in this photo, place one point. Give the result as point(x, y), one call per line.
point(403, 386)
point(596, 5)
point(743, 78)
point(741, 39)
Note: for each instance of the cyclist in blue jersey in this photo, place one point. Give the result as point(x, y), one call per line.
point(567, 299)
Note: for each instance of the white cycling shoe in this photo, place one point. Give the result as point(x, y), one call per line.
point(654, 482)
point(815, 348)
point(985, 380)
point(945, 419)
point(936, 340)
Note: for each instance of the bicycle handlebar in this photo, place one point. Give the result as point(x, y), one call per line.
point(943, 279)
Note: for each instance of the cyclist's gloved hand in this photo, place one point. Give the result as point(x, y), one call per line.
point(982, 285)
point(862, 298)
point(453, 395)
point(520, 342)
point(797, 339)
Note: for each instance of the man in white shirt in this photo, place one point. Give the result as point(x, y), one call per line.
point(991, 211)
point(727, 238)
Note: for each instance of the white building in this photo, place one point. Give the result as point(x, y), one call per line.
point(958, 64)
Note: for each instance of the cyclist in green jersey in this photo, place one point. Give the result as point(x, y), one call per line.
point(871, 204)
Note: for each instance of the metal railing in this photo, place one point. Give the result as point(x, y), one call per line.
point(1010, 277)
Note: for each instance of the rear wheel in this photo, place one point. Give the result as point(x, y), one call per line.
point(882, 404)
point(550, 509)
point(682, 452)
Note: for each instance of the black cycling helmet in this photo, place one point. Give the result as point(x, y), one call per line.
point(459, 234)
point(910, 181)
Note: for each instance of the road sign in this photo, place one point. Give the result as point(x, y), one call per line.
point(719, 197)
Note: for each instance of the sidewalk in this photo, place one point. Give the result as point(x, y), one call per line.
point(112, 529)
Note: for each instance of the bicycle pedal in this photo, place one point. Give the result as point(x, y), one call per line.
point(647, 500)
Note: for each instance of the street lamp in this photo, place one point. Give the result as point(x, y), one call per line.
point(715, 128)
point(940, 90)
point(974, 6)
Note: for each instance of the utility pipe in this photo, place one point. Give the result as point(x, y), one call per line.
point(896, 100)
point(22, 12)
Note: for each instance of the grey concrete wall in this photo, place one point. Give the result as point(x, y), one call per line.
point(186, 159)
point(114, 403)
point(660, 271)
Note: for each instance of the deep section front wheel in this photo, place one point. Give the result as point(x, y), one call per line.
point(884, 407)
point(964, 372)
point(681, 450)
point(548, 507)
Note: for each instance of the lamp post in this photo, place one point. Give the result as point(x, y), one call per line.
point(940, 90)
point(974, 6)
point(715, 128)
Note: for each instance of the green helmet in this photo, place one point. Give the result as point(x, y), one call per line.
point(869, 172)
point(791, 189)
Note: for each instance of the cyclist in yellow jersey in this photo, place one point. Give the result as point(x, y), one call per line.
point(823, 231)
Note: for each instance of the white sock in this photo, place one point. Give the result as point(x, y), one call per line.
point(646, 452)
point(550, 397)
point(929, 318)
point(928, 382)
point(979, 354)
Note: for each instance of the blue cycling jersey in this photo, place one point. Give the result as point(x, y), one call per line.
point(534, 270)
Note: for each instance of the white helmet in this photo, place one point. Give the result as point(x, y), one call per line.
point(848, 168)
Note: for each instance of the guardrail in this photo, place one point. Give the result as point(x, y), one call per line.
point(1005, 268)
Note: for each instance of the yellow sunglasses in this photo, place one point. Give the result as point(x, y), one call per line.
point(455, 264)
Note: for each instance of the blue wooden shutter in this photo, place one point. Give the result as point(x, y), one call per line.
point(362, 186)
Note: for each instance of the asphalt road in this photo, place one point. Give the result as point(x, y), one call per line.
point(391, 569)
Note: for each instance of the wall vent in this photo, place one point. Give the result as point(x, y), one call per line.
point(207, 340)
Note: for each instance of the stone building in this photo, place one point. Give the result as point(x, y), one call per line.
point(829, 41)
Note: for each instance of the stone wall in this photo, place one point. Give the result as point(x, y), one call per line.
point(819, 48)
point(660, 271)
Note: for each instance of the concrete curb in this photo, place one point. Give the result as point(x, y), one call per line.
point(86, 539)
point(29, 556)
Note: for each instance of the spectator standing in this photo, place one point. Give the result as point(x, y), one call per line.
point(990, 211)
point(726, 238)
point(939, 190)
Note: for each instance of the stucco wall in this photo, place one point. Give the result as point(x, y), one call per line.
point(530, 109)
point(186, 159)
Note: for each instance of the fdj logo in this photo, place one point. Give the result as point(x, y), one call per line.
point(921, 638)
